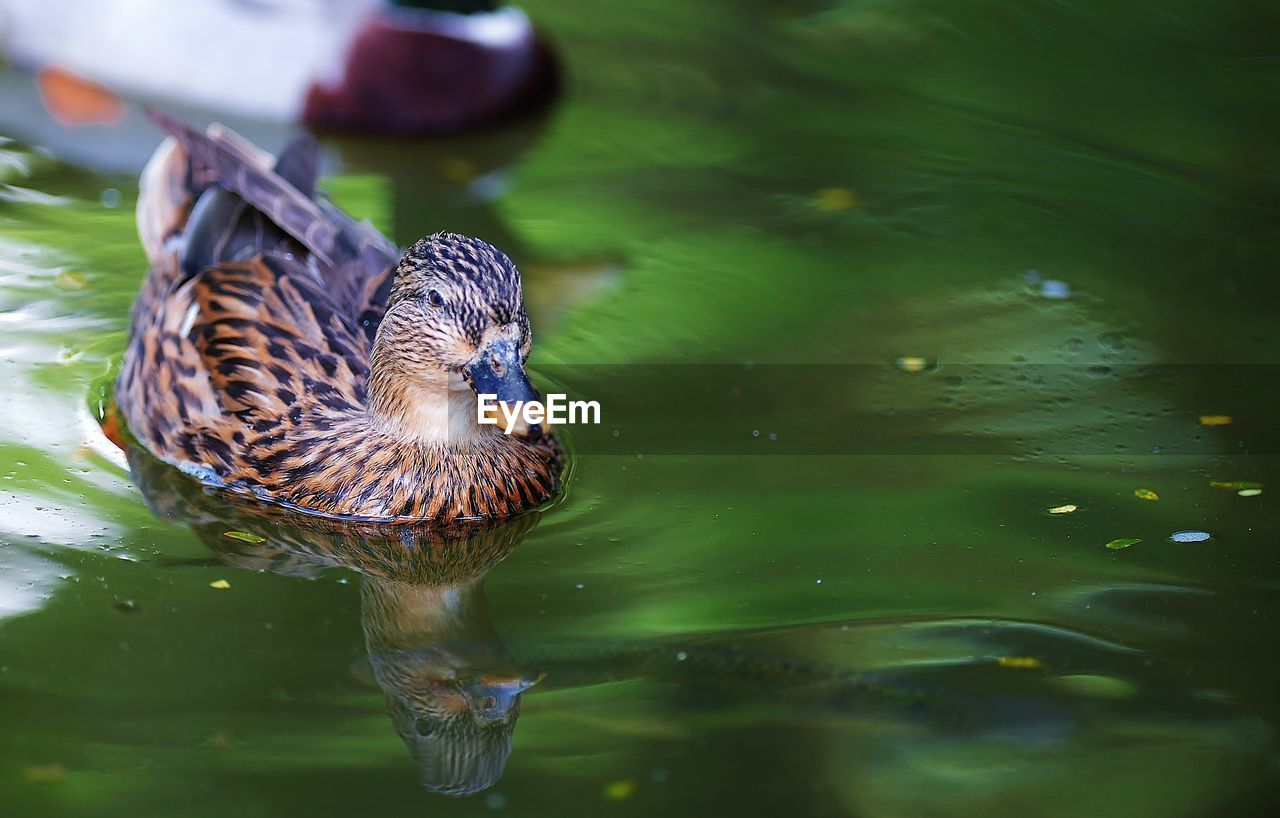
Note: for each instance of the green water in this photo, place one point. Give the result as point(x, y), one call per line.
point(895, 628)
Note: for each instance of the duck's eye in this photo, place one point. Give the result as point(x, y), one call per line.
point(435, 299)
point(424, 727)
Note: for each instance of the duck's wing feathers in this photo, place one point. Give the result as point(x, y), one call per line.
point(249, 355)
point(351, 259)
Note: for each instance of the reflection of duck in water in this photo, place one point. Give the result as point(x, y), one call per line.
point(452, 688)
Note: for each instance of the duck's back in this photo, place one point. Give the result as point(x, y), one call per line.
point(254, 326)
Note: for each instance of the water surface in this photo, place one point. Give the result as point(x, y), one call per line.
point(1016, 252)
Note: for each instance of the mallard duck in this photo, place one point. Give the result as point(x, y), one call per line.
point(283, 351)
point(381, 66)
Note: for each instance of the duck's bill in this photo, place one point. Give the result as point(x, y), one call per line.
point(494, 697)
point(497, 375)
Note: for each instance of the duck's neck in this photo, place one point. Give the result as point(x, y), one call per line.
point(448, 626)
point(402, 615)
point(437, 409)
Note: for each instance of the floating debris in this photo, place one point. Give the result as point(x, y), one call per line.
point(915, 363)
point(1123, 542)
point(127, 606)
point(458, 170)
point(1215, 420)
point(1189, 536)
point(1145, 494)
point(1249, 492)
point(1067, 509)
point(220, 741)
point(71, 281)
point(220, 585)
point(44, 773)
point(244, 536)
point(1020, 662)
point(835, 198)
point(619, 790)
point(1096, 686)
point(1235, 485)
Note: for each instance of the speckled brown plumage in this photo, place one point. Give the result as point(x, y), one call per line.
point(300, 363)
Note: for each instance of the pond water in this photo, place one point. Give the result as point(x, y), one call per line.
point(869, 288)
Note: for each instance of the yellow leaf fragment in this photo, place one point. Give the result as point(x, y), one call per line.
point(244, 536)
point(71, 280)
point(1235, 485)
point(1145, 494)
point(835, 198)
point(912, 363)
point(1020, 662)
point(220, 741)
point(1096, 686)
point(456, 169)
point(44, 773)
point(1215, 420)
point(1123, 542)
point(1067, 509)
point(220, 584)
point(619, 790)
point(1249, 492)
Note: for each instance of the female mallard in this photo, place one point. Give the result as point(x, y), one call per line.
point(278, 349)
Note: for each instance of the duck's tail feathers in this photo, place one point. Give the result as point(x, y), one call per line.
point(224, 158)
point(298, 164)
point(164, 200)
point(351, 259)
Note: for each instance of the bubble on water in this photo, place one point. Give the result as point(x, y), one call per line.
point(495, 800)
point(110, 198)
point(681, 656)
point(1189, 536)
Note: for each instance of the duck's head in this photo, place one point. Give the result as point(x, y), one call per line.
point(458, 731)
point(455, 327)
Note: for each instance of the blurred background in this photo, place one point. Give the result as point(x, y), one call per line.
point(1016, 261)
